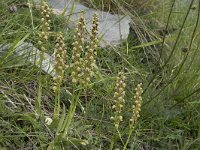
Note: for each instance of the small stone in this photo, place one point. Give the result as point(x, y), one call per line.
point(48, 121)
point(12, 9)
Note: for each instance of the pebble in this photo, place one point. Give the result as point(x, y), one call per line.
point(12, 9)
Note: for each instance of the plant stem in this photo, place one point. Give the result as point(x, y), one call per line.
point(112, 143)
point(70, 113)
point(120, 136)
point(39, 97)
point(129, 135)
point(113, 139)
point(57, 104)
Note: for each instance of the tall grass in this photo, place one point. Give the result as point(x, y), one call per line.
point(162, 52)
point(141, 6)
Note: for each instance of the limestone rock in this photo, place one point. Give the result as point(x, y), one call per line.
point(31, 54)
point(113, 27)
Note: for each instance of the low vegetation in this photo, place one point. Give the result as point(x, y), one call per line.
point(142, 95)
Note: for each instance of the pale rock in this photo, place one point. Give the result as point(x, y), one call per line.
point(31, 54)
point(114, 28)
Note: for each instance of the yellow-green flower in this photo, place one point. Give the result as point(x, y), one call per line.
point(89, 60)
point(45, 20)
point(119, 99)
point(60, 61)
point(77, 50)
point(138, 102)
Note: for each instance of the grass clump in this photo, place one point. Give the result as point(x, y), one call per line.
point(76, 113)
point(114, 6)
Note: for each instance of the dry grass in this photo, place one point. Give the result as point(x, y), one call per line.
point(139, 6)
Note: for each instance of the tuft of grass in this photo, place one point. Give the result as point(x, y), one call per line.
point(142, 6)
point(162, 52)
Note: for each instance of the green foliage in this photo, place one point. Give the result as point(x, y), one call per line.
point(169, 71)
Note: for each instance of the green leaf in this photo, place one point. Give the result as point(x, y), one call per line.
point(61, 122)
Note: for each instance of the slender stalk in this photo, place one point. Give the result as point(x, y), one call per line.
point(57, 103)
point(114, 137)
point(172, 52)
point(166, 28)
point(120, 136)
point(45, 11)
point(129, 135)
point(70, 113)
point(112, 142)
point(39, 97)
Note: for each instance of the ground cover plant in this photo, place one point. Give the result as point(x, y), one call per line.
point(143, 94)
